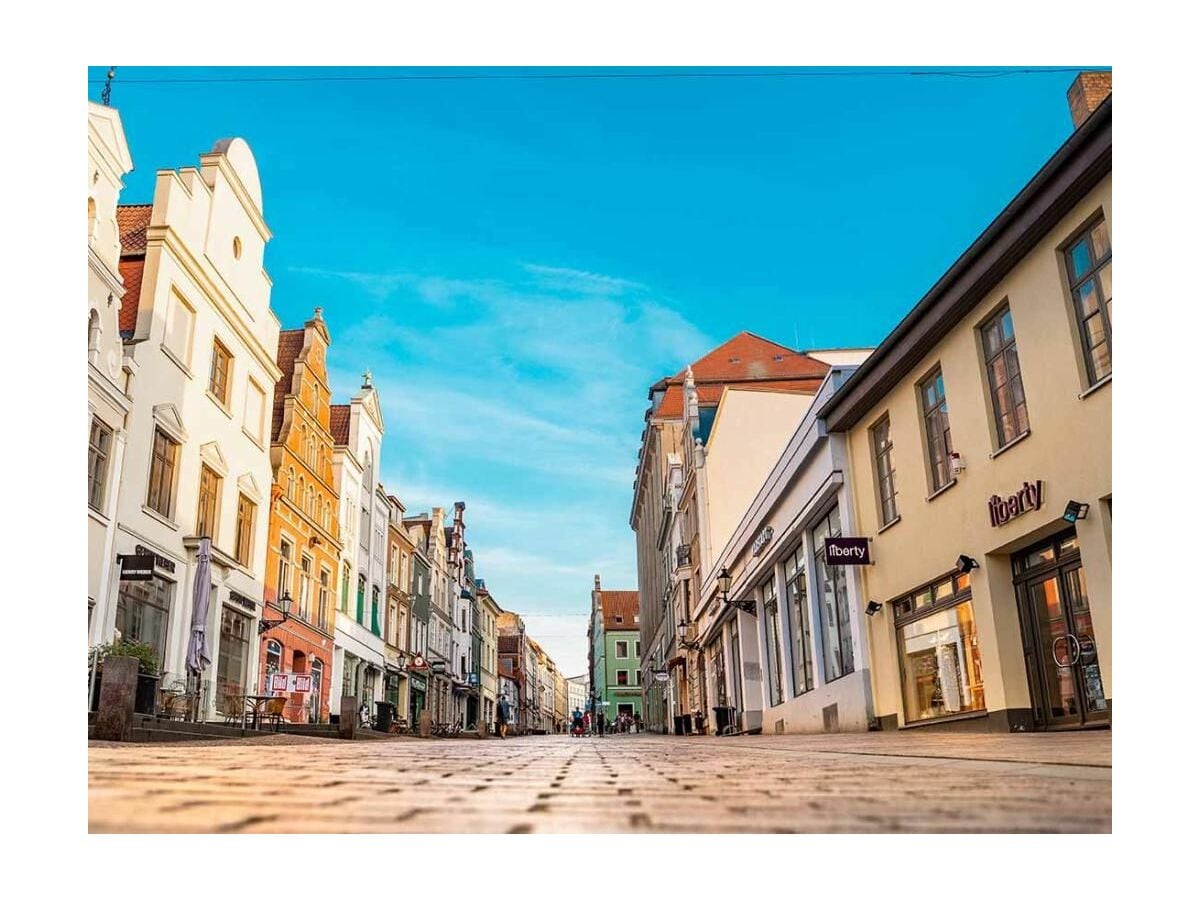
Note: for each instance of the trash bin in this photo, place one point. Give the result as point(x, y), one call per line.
point(679, 726)
point(384, 712)
point(725, 718)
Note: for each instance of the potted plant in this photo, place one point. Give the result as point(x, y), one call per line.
point(148, 675)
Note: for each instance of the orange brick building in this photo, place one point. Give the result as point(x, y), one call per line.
point(303, 548)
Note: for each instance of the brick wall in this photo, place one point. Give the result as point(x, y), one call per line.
point(1086, 93)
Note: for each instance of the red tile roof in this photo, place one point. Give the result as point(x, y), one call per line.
point(745, 359)
point(619, 603)
point(131, 274)
point(291, 342)
point(339, 423)
point(132, 221)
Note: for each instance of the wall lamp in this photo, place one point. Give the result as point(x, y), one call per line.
point(683, 641)
point(723, 581)
point(965, 564)
point(873, 607)
point(284, 605)
point(1075, 511)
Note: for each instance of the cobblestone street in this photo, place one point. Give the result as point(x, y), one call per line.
point(624, 783)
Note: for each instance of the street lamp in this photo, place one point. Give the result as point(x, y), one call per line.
point(723, 581)
point(284, 605)
point(683, 641)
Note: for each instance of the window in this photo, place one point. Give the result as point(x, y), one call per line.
point(233, 654)
point(885, 470)
point(314, 697)
point(291, 484)
point(622, 649)
point(797, 597)
point(284, 576)
point(245, 530)
point(1089, 272)
point(637, 649)
point(274, 660)
point(99, 445)
point(774, 642)
point(837, 644)
point(218, 375)
point(941, 673)
point(206, 507)
point(1004, 377)
point(252, 415)
point(345, 587)
point(365, 532)
point(310, 502)
point(143, 611)
point(163, 464)
point(306, 588)
point(637, 676)
point(362, 599)
point(937, 429)
point(177, 339)
point(323, 600)
point(622, 676)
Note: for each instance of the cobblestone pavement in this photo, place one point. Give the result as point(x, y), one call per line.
point(622, 783)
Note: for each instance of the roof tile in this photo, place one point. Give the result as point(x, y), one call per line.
point(291, 342)
point(339, 423)
point(132, 221)
point(131, 273)
point(622, 605)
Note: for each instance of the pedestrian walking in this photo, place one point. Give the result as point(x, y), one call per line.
point(502, 716)
point(637, 722)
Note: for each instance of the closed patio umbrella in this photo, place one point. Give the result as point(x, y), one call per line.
point(197, 653)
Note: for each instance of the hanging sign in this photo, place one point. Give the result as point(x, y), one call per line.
point(847, 551)
point(1027, 499)
point(138, 567)
point(662, 677)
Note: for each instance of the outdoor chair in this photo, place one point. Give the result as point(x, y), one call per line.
point(233, 707)
point(273, 711)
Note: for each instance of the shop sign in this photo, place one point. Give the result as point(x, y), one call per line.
point(1004, 509)
point(847, 551)
point(244, 602)
point(138, 567)
point(417, 682)
point(418, 662)
point(290, 682)
point(160, 561)
point(662, 677)
point(764, 538)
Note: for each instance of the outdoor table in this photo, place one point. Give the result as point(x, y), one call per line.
point(255, 702)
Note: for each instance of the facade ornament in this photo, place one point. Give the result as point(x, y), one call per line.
point(318, 314)
point(367, 379)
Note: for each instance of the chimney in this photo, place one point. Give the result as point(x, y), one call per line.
point(596, 579)
point(1088, 91)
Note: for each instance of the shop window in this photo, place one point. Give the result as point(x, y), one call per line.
point(885, 471)
point(1009, 415)
point(1089, 273)
point(314, 698)
point(797, 598)
point(937, 429)
point(143, 612)
point(323, 600)
point(941, 671)
point(234, 653)
point(774, 637)
point(274, 662)
point(837, 643)
point(99, 447)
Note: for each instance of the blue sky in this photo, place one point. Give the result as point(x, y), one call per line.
point(517, 260)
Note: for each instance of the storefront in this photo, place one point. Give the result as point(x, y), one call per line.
point(795, 651)
point(416, 695)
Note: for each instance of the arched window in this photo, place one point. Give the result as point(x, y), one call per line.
point(310, 502)
point(304, 442)
point(274, 661)
point(312, 451)
point(314, 698)
point(368, 473)
point(91, 217)
point(291, 484)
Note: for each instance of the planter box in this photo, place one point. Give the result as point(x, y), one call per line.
point(145, 701)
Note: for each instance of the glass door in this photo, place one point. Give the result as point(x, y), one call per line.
point(1065, 682)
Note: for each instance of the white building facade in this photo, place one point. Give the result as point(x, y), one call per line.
point(358, 658)
point(197, 320)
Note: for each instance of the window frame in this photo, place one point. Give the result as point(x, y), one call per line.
point(944, 443)
point(1001, 355)
point(208, 528)
point(617, 649)
point(155, 487)
point(283, 571)
point(877, 457)
point(243, 548)
point(1073, 284)
point(220, 352)
point(99, 454)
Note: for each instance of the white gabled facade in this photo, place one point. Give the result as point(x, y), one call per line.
point(358, 660)
point(204, 340)
point(108, 402)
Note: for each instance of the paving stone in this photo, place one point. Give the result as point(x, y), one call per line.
point(905, 782)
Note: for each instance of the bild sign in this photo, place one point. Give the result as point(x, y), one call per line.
point(1005, 509)
point(847, 551)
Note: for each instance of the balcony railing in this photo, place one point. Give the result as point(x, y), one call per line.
point(683, 555)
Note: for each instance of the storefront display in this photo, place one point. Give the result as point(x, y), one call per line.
point(233, 656)
point(143, 611)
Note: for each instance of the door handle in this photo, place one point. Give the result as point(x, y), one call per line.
point(1078, 652)
point(1054, 652)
